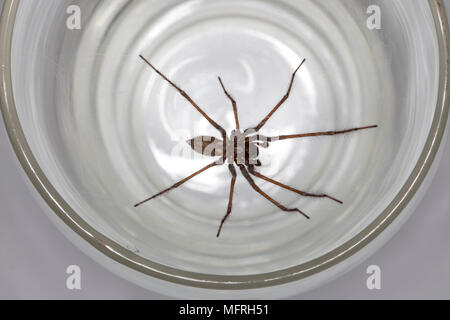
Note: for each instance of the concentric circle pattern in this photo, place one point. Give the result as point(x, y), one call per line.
point(118, 130)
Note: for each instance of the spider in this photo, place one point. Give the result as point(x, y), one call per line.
point(241, 149)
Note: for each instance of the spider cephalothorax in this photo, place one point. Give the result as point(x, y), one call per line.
point(241, 149)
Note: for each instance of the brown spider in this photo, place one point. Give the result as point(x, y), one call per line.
point(242, 149)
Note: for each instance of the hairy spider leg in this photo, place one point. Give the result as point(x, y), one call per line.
point(257, 189)
point(233, 102)
point(188, 98)
point(316, 134)
point(283, 100)
point(230, 200)
point(252, 170)
point(179, 183)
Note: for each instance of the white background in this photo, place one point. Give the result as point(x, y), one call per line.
point(34, 255)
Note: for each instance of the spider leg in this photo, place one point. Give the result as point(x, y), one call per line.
point(188, 98)
point(233, 102)
point(252, 170)
point(179, 183)
point(257, 189)
point(230, 200)
point(316, 134)
point(283, 100)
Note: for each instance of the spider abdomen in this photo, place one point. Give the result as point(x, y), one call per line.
point(206, 145)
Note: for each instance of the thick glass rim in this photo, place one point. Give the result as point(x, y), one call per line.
point(207, 281)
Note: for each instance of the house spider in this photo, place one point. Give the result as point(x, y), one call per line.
point(241, 148)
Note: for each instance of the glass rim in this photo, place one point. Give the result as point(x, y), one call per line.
point(208, 281)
